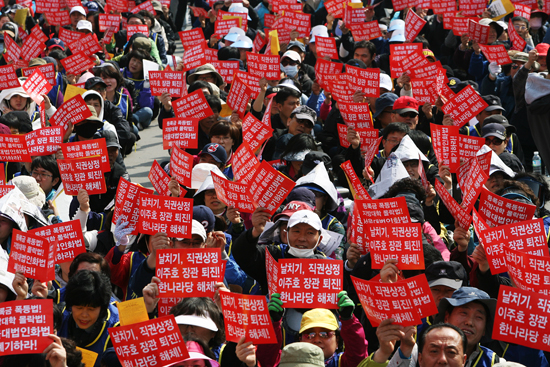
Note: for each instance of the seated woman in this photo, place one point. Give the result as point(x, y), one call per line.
point(143, 113)
point(89, 313)
point(16, 99)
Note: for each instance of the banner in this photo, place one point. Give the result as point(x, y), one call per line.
point(193, 106)
point(396, 241)
point(8, 78)
point(48, 70)
point(528, 272)
point(77, 63)
point(245, 164)
point(326, 46)
point(87, 45)
point(107, 21)
point(132, 29)
point(181, 166)
point(156, 342)
point(26, 326)
point(127, 203)
point(359, 192)
point(459, 213)
point(165, 214)
point(32, 255)
point(464, 106)
point(96, 148)
point(159, 179)
point(36, 85)
point(44, 141)
point(247, 315)
point(268, 187)
point(172, 82)
point(365, 31)
point(13, 148)
point(498, 211)
point(84, 173)
point(194, 56)
point(180, 132)
point(478, 32)
point(67, 236)
point(191, 37)
point(189, 272)
point(238, 97)
point(264, 66)
point(413, 25)
point(233, 194)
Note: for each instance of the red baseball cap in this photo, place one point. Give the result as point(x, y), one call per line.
point(542, 49)
point(405, 104)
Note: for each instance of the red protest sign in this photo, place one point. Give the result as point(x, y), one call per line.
point(413, 25)
point(159, 178)
point(464, 106)
point(473, 185)
point(259, 41)
point(44, 141)
point(406, 301)
point(4, 189)
point(252, 81)
point(460, 25)
point(234, 15)
point(353, 15)
point(356, 115)
point(244, 164)
point(36, 85)
point(26, 326)
point(87, 149)
point(198, 11)
point(191, 37)
point(194, 56)
point(48, 70)
point(423, 90)
point(8, 78)
point(233, 194)
point(167, 82)
point(324, 68)
point(108, 35)
point(522, 10)
point(261, 66)
point(107, 21)
point(521, 317)
point(77, 63)
point(37, 32)
point(87, 45)
point(336, 8)
point(13, 51)
point(444, 6)
point(85, 173)
point(165, 214)
point(309, 283)
point(32, 255)
point(31, 47)
point(155, 342)
point(180, 132)
point(119, 6)
point(68, 239)
point(472, 8)
point(478, 32)
point(400, 65)
point(59, 18)
point(528, 236)
point(268, 187)
point(247, 315)
point(68, 36)
point(518, 43)
point(496, 53)
point(343, 135)
point(461, 215)
point(381, 211)
point(498, 211)
point(445, 141)
point(365, 31)
point(181, 165)
point(326, 46)
point(192, 106)
point(255, 132)
point(528, 272)
point(226, 69)
point(238, 97)
point(189, 272)
point(297, 21)
point(396, 241)
point(146, 5)
point(74, 111)
point(132, 29)
point(127, 203)
point(222, 26)
point(366, 80)
point(463, 172)
point(165, 304)
point(13, 148)
point(359, 192)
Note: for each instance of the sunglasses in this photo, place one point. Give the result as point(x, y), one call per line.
point(322, 335)
point(515, 66)
point(495, 141)
point(408, 114)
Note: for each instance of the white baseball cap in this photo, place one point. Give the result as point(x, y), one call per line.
point(385, 82)
point(196, 320)
point(293, 55)
point(79, 9)
point(84, 24)
point(307, 217)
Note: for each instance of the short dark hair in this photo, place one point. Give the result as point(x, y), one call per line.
point(90, 257)
point(93, 97)
point(223, 127)
point(57, 54)
point(395, 127)
point(112, 72)
point(137, 15)
point(521, 19)
point(140, 55)
point(365, 44)
point(48, 163)
point(74, 356)
point(214, 103)
point(88, 288)
point(422, 338)
point(202, 306)
point(199, 84)
point(284, 93)
point(145, 14)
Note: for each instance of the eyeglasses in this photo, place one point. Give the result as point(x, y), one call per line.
point(520, 27)
point(322, 335)
point(408, 114)
point(495, 141)
point(42, 175)
point(393, 141)
point(205, 78)
point(221, 138)
point(515, 66)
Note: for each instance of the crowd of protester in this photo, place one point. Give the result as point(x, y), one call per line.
point(305, 146)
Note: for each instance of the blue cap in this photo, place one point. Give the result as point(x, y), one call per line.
point(384, 101)
point(205, 216)
point(466, 295)
point(216, 151)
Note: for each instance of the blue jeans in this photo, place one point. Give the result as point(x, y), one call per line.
point(143, 116)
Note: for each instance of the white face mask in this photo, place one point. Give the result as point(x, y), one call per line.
point(291, 70)
point(302, 252)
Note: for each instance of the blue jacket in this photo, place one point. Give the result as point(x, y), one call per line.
point(145, 97)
